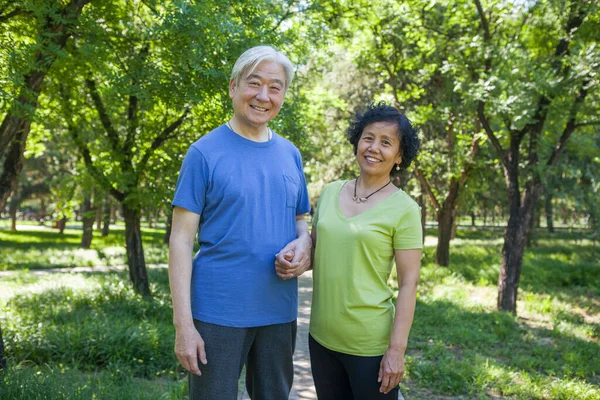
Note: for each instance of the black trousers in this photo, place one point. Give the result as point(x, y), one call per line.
point(340, 376)
point(267, 352)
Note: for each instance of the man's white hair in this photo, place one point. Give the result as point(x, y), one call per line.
point(250, 59)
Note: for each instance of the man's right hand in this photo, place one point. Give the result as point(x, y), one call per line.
point(189, 347)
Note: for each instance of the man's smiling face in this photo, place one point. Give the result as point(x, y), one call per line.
point(258, 96)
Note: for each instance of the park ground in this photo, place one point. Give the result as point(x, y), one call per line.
point(83, 333)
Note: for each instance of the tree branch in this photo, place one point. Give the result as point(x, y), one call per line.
point(569, 128)
point(490, 134)
point(427, 187)
point(132, 110)
point(84, 150)
point(468, 165)
point(484, 22)
point(14, 13)
point(113, 136)
point(159, 140)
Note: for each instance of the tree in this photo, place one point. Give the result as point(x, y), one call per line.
point(537, 87)
point(150, 75)
point(401, 52)
point(55, 22)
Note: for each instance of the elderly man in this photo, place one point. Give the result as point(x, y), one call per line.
point(242, 188)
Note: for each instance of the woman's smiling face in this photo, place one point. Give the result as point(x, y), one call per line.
point(378, 148)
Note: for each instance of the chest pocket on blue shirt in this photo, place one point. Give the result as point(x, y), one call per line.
point(292, 185)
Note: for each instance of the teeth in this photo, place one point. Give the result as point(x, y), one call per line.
point(372, 159)
point(260, 108)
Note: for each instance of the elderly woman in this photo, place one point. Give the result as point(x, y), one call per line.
point(357, 337)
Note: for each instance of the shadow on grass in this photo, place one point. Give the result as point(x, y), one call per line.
point(458, 351)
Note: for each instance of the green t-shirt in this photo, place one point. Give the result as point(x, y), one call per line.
point(352, 308)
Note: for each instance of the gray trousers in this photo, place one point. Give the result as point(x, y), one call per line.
point(266, 350)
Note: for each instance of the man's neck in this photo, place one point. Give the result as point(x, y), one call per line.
point(256, 134)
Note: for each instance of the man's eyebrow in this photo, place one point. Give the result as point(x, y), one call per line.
point(255, 76)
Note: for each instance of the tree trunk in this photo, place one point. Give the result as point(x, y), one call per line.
point(515, 238)
point(88, 214)
point(446, 224)
point(42, 210)
point(422, 201)
point(12, 210)
point(106, 216)
point(62, 224)
point(98, 217)
point(14, 157)
point(15, 126)
point(149, 218)
point(442, 253)
point(135, 251)
point(549, 213)
point(113, 213)
point(2, 357)
point(472, 218)
point(167, 236)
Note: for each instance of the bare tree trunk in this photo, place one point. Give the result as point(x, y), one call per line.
point(88, 214)
point(135, 251)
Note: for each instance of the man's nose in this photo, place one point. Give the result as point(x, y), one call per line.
point(263, 93)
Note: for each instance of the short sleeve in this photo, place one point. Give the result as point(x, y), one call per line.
point(192, 184)
point(303, 204)
point(409, 232)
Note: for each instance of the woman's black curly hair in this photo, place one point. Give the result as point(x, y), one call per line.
point(379, 112)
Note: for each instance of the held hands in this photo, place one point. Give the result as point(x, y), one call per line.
point(391, 369)
point(294, 259)
point(189, 346)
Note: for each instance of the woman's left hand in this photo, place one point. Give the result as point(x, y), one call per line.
point(391, 369)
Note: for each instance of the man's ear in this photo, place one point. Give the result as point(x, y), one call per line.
point(232, 87)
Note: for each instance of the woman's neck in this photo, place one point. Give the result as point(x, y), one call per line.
point(367, 182)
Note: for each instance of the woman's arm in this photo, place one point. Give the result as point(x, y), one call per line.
point(391, 370)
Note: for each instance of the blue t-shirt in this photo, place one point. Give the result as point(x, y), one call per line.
point(248, 195)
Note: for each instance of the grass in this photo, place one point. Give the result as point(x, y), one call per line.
point(31, 247)
point(460, 346)
point(87, 335)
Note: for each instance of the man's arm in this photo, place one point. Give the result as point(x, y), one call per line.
point(189, 345)
point(295, 258)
